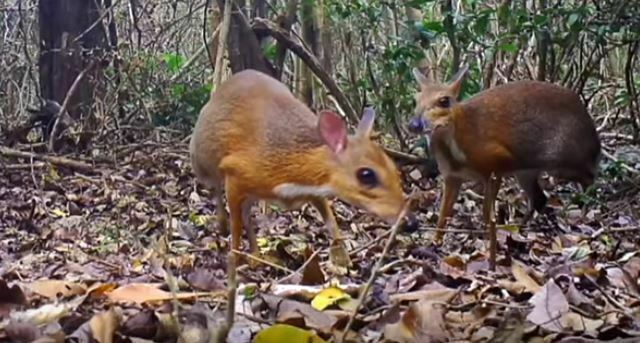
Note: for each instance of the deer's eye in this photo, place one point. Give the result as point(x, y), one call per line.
point(367, 177)
point(444, 102)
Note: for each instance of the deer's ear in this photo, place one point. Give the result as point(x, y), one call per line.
point(456, 81)
point(333, 131)
point(365, 126)
point(420, 78)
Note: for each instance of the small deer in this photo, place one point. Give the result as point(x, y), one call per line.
point(520, 128)
point(256, 141)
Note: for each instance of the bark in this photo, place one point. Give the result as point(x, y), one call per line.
point(243, 45)
point(309, 35)
point(69, 42)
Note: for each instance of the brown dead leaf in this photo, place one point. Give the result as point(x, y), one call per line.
point(312, 274)
point(22, 331)
point(453, 266)
point(511, 328)
point(550, 305)
point(442, 295)
point(423, 322)
point(104, 325)
point(143, 324)
point(205, 279)
point(521, 276)
point(145, 292)
point(296, 313)
point(577, 322)
point(10, 297)
point(53, 289)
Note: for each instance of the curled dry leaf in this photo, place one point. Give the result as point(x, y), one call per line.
point(104, 325)
point(423, 322)
point(53, 289)
point(550, 305)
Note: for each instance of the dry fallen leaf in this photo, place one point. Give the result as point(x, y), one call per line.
point(423, 322)
point(550, 305)
point(312, 273)
point(295, 312)
point(523, 278)
point(104, 325)
point(144, 292)
point(52, 289)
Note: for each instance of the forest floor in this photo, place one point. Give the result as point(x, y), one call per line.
point(126, 247)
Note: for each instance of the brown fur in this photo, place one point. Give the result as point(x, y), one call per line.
point(521, 128)
point(254, 135)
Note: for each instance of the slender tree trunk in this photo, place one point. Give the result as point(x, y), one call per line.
point(69, 42)
point(310, 36)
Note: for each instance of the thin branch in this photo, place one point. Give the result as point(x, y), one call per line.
point(311, 61)
point(376, 270)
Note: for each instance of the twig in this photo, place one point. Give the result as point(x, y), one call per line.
point(255, 258)
point(376, 270)
point(622, 164)
point(404, 157)
point(193, 58)
point(62, 161)
point(311, 61)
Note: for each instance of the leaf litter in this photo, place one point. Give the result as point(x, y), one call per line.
point(131, 253)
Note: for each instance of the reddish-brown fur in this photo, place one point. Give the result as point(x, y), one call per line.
point(521, 128)
point(254, 136)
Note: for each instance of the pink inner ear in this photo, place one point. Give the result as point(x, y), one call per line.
point(333, 130)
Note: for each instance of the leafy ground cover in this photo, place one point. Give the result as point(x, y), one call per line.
point(126, 251)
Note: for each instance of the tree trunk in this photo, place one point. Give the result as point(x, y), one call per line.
point(243, 45)
point(69, 42)
point(309, 34)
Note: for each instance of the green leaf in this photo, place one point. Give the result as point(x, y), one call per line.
point(174, 62)
point(573, 19)
point(508, 47)
point(433, 26)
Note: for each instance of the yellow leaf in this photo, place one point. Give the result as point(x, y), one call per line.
point(59, 213)
point(511, 228)
point(262, 242)
point(328, 297)
point(286, 333)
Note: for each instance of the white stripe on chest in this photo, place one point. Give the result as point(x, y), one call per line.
point(292, 190)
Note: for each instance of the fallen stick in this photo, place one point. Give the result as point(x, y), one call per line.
point(375, 271)
point(60, 161)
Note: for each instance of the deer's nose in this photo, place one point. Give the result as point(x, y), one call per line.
point(416, 125)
